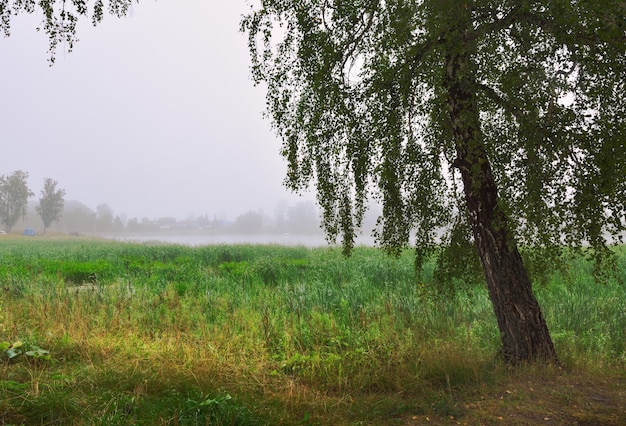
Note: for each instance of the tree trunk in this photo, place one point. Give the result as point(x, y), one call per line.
point(523, 330)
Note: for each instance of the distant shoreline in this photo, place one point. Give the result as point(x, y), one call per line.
point(191, 239)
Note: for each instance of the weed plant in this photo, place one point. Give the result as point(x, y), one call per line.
point(168, 334)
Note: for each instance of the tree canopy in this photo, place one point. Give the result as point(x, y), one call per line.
point(357, 92)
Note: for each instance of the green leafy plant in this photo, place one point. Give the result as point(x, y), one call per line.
point(18, 349)
point(219, 410)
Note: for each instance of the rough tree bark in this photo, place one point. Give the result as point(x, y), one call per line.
point(524, 333)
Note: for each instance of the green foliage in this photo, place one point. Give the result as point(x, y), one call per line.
point(357, 93)
point(458, 265)
point(18, 350)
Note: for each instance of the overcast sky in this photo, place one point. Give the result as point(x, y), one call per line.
point(154, 114)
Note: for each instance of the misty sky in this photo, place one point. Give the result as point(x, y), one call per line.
point(154, 114)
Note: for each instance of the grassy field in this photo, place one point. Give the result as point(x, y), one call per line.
point(104, 333)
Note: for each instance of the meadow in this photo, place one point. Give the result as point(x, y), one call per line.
point(96, 332)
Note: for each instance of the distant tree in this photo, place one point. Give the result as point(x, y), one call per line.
point(166, 222)
point(501, 121)
point(104, 218)
point(148, 225)
point(280, 215)
point(14, 194)
point(145, 225)
point(50, 207)
point(203, 221)
point(250, 222)
point(133, 225)
point(77, 217)
point(303, 218)
point(118, 225)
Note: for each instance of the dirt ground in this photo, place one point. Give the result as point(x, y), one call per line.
point(565, 399)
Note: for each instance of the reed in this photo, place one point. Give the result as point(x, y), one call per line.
point(167, 334)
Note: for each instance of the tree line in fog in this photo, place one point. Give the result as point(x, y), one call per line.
point(77, 218)
point(22, 212)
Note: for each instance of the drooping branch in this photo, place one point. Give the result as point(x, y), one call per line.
point(59, 17)
point(352, 44)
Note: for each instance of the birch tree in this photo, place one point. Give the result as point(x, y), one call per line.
point(502, 122)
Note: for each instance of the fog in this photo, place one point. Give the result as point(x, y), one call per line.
point(154, 114)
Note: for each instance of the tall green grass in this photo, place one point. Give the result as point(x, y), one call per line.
point(167, 334)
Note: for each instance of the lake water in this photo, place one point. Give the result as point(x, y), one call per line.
point(207, 239)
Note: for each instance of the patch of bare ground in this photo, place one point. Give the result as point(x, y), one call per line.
point(563, 398)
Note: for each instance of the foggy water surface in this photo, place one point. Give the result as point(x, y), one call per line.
point(206, 239)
